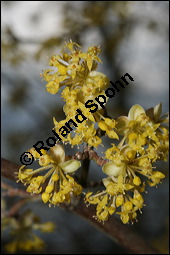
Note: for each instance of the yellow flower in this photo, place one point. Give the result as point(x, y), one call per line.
point(141, 128)
point(54, 85)
point(119, 200)
point(94, 141)
point(73, 68)
point(89, 58)
point(118, 187)
point(137, 200)
point(58, 170)
point(72, 45)
point(34, 186)
point(108, 125)
point(24, 177)
point(156, 176)
point(91, 200)
point(113, 153)
point(123, 169)
point(86, 112)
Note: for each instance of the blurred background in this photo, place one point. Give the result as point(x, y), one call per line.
point(134, 38)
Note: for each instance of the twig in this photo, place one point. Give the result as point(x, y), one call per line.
point(114, 228)
point(11, 191)
point(84, 173)
point(89, 154)
point(15, 208)
point(85, 167)
point(8, 168)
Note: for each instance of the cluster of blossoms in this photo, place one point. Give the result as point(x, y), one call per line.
point(22, 233)
point(76, 71)
point(139, 140)
point(60, 186)
point(145, 140)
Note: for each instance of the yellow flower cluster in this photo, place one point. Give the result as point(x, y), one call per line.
point(76, 71)
point(145, 140)
point(56, 185)
point(23, 237)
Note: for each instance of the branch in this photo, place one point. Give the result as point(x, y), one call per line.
point(114, 228)
point(85, 166)
point(89, 153)
point(8, 168)
point(117, 231)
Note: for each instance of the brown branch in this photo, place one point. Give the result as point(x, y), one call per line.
point(8, 168)
point(89, 153)
point(85, 166)
point(84, 173)
point(114, 228)
point(117, 231)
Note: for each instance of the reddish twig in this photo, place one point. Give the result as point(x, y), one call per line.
point(89, 153)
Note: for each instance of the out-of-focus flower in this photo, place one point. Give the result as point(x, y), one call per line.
point(22, 233)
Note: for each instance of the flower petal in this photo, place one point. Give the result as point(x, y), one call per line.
point(70, 166)
point(135, 111)
point(112, 169)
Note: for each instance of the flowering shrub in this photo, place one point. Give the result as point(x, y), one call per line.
point(138, 141)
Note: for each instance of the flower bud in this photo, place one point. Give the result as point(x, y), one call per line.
point(158, 175)
point(137, 181)
point(45, 197)
point(55, 177)
point(128, 206)
point(119, 200)
point(49, 188)
point(102, 125)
